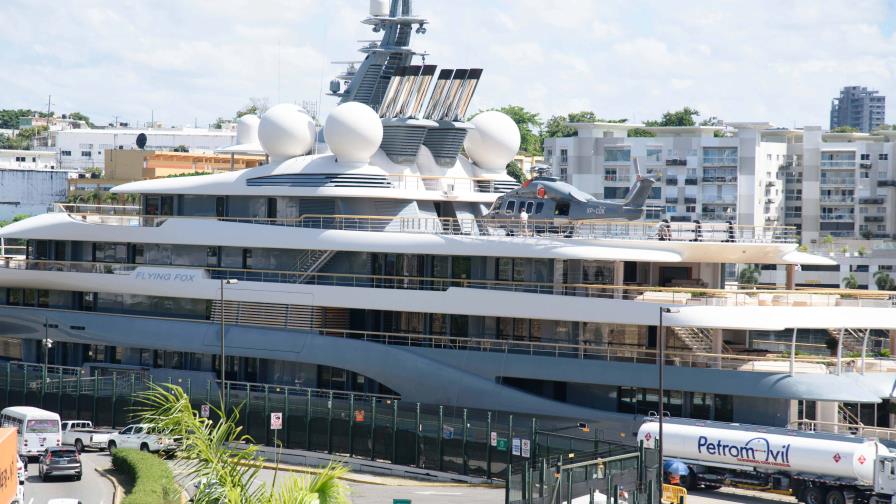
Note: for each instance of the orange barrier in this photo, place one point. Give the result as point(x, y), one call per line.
point(673, 494)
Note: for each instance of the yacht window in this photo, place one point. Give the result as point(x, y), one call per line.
point(529, 207)
point(511, 206)
point(539, 207)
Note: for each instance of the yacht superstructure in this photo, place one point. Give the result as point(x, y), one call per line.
point(364, 262)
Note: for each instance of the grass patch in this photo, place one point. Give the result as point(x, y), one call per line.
point(152, 479)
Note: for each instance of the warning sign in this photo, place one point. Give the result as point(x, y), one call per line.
point(203, 411)
point(525, 448)
point(276, 421)
point(359, 416)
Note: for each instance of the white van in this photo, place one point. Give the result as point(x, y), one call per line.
point(38, 429)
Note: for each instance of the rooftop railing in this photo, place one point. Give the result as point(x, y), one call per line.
point(696, 296)
point(594, 229)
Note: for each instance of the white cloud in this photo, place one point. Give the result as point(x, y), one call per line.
point(777, 61)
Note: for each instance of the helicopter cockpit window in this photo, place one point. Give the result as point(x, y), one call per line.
point(529, 206)
point(511, 205)
point(539, 207)
point(562, 208)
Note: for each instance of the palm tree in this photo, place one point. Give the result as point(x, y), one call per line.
point(224, 474)
point(850, 282)
point(884, 281)
point(749, 275)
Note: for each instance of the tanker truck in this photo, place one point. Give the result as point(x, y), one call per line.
point(815, 467)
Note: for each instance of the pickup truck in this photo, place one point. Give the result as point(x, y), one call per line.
point(81, 434)
point(137, 436)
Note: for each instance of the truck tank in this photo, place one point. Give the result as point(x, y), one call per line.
point(766, 449)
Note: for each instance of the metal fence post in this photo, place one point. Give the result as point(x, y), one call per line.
point(394, 430)
point(59, 393)
point(133, 391)
point(96, 392)
point(351, 424)
point(488, 446)
point(8, 379)
point(330, 423)
point(418, 433)
point(114, 396)
point(77, 394)
point(441, 436)
point(208, 391)
point(267, 414)
point(286, 416)
point(463, 446)
point(190, 390)
point(373, 428)
point(510, 458)
point(308, 422)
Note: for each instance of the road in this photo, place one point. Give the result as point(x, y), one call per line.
point(733, 496)
point(92, 489)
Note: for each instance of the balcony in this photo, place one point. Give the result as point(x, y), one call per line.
point(838, 217)
point(838, 181)
point(715, 217)
point(865, 165)
point(874, 218)
point(690, 201)
point(886, 183)
point(691, 181)
point(720, 161)
point(720, 180)
point(676, 162)
point(672, 200)
point(716, 199)
point(838, 200)
point(838, 164)
point(871, 201)
point(680, 218)
point(609, 177)
point(671, 181)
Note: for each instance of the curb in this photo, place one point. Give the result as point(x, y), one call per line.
point(117, 490)
point(394, 481)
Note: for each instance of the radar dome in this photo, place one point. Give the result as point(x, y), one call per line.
point(354, 132)
point(286, 131)
point(247, 129)
point(494, 141)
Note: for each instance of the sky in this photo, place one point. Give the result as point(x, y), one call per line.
point(191, 61)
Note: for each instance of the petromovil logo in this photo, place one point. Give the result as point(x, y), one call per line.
point(758, 450)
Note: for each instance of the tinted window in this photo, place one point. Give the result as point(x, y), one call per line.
point(539, 207)
point(529, 207)
point(42, 426)
point(511, 204)
point(64, 453)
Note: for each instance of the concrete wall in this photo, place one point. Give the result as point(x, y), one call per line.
point(30, 191)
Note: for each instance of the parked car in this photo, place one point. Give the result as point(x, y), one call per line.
point(138, 436)
point(59, 461)
point(81, 435)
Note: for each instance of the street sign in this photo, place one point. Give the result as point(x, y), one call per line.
point(204, 411)
point(447, 432)
point(525, 448)
point(359, 416)
point(516, 446)
point(494, 438)
point(276, 421)
point(501, 444)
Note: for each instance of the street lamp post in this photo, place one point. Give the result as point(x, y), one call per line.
point(224, 281)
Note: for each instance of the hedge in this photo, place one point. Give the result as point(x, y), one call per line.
point(152, 478)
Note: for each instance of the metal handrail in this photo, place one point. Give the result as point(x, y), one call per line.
point(679, 295)
point(577, 229)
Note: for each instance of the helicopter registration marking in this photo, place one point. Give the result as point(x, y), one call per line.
point(596, 210)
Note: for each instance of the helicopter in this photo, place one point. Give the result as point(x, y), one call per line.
point(548, 200)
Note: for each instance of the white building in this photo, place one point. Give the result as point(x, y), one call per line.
point(80, 149)
point(700, 176)
point(12, 159)
point(837, 184)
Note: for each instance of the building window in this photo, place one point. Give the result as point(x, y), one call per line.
point(548, 155)
point(883, 157)
point(66, 153)
point(564, 157)
point(865, 157)
point(86, 153)
point(654, 153)
point(618, 155)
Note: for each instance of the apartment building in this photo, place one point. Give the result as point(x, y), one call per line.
point(858, 107)
point(700, 176)
point(81, 149)
point(837, 184)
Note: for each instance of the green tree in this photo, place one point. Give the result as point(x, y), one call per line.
point(683, 117)
point(641, 132)
point(181, 148)
point(77, 116)
point(845, 129)
point(748, 275)
point(829, 241)
point(556, 125)
point(9, 118)
point(22, 140)
point(850, 281)
point(225, 474)
point(514, 170)
point(884, 281)
point(255, 106)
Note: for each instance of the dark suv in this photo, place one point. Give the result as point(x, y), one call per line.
point(59, 461)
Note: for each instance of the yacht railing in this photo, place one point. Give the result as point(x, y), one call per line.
point(558, 228)
point(665, 295)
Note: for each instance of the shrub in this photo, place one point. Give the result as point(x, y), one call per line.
point(151, 476)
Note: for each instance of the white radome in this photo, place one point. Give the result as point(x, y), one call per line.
point(494, 141)
point(247, 129)
point(353, 132)
point(286, 131)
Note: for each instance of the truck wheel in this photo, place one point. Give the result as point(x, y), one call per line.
point(814, 495)
point(79, 445)
point(837, 496)
point(144, 447)
point(112, 446)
